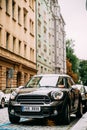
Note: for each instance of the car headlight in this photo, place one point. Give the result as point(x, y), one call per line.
point(13, 95)
point(56, 95)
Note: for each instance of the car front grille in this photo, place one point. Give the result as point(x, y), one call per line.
point(33, 99)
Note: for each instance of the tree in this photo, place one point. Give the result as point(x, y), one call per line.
point(72, 60)
point(70, 72)
point(71, 56)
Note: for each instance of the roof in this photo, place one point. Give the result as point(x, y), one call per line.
point(52, 75)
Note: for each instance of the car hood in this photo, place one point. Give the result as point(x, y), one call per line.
point(38, 91)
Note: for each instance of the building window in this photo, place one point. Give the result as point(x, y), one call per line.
point(31, 4)
point(39, 9)
point(19, 15)
point(41, 69)
point(39, 43)
point(45, 48)
point(25, 0)
point(31, 27)
point(31, 54)
point(49, 52)
point(7, 7)
point(25, 19)
point(14, 44)
point(13, 9)
point(1, 4)
point(49, 35)
point(0, 36)
point(25, 46)
point(19, 47)
point(45, 33)
point(44, 16)
point(39, 27)
point(7, 40)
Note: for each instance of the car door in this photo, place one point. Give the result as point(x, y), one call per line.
point(74, 93)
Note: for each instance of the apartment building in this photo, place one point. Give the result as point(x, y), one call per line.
point(50, 37)
point(59, 42)
point(17, 42)
point(44, 37)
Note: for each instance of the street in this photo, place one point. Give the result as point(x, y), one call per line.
point(29, 124)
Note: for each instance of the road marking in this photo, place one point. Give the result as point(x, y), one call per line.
point(5, 124)
point(1, 128)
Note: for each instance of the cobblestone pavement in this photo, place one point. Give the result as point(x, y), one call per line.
point(26, 124)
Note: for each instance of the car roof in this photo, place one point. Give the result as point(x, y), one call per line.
point(79, 85)
point(50, 75)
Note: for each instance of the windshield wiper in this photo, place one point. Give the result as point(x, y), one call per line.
point(47, 86)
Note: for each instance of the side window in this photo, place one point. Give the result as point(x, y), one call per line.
point(69, 82)
point(82, 89)
point(60, 82)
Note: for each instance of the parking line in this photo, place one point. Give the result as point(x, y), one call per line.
point(5, 129)
point(5, 124)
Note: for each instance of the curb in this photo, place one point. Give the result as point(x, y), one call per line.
point(81, 124)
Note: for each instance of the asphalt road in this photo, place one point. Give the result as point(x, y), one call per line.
point(29, 124)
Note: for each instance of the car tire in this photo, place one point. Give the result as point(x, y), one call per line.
point(3, 103)
point(66, 115)
point(80, 110)
point(14, 119)
point(85, 107)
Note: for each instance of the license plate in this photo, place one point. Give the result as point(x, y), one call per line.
point(30, 109)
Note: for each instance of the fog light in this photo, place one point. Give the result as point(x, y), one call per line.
point(55, 112)
point(12, 111)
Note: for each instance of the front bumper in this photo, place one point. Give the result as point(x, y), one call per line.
point(46, 110)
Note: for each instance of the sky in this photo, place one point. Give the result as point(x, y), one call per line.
point(75, 16)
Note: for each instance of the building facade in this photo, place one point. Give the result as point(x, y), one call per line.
point(59, 42)
point(17, 42)
point(44, 37)
point(50, 38)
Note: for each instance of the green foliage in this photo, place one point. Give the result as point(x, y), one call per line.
point(69, 48)
point(75, 67)
point(83, 71)
point(71, 56)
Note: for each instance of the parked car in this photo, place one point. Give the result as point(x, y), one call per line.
point(83, 94)
point(7, 93)
point(85, 88)
point(48, 95)
point(2, 99)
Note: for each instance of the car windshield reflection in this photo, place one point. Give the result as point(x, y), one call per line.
point(42, 82)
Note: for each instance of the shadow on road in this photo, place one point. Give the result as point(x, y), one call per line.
point(46, 122)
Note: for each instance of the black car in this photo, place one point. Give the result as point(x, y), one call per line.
point(48, 95)
point(83, 94)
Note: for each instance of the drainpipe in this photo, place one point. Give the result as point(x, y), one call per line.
point(36, 29)
point(55, 43)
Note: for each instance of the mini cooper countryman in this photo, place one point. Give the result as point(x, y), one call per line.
point(46, 95)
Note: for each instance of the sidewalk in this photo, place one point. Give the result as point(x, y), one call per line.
point(81, 124)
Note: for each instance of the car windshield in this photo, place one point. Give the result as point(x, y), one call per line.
point(43, 81)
